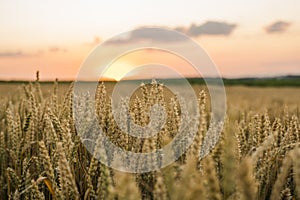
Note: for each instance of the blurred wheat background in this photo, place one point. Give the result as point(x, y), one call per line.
point(42, 156)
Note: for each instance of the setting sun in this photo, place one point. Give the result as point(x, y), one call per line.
point(117, 70)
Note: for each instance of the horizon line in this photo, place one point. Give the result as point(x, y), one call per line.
point(136, 79)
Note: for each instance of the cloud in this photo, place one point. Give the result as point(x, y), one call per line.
point(56, 49)
point(277, 27)
point(19, 54)
point(156, 34)
point(211, 28)
point(12, 54)
point(146, 34)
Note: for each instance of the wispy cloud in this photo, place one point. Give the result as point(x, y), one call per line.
point(19, 54)
point(210, 28)
point(56, 49)
point(277, 27)
point(12, 54)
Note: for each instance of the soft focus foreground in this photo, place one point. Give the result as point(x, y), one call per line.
point(42, 156)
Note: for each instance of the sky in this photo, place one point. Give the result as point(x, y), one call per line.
point(243, 38)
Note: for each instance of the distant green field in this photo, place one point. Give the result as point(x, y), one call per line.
point(264, 82)
point(285, 81)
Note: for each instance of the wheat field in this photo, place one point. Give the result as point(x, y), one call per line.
point(42, 156)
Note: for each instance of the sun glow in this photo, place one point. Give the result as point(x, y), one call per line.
point(118, 69)
point(128, 66)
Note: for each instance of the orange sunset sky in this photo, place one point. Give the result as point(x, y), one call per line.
point(243, 38)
